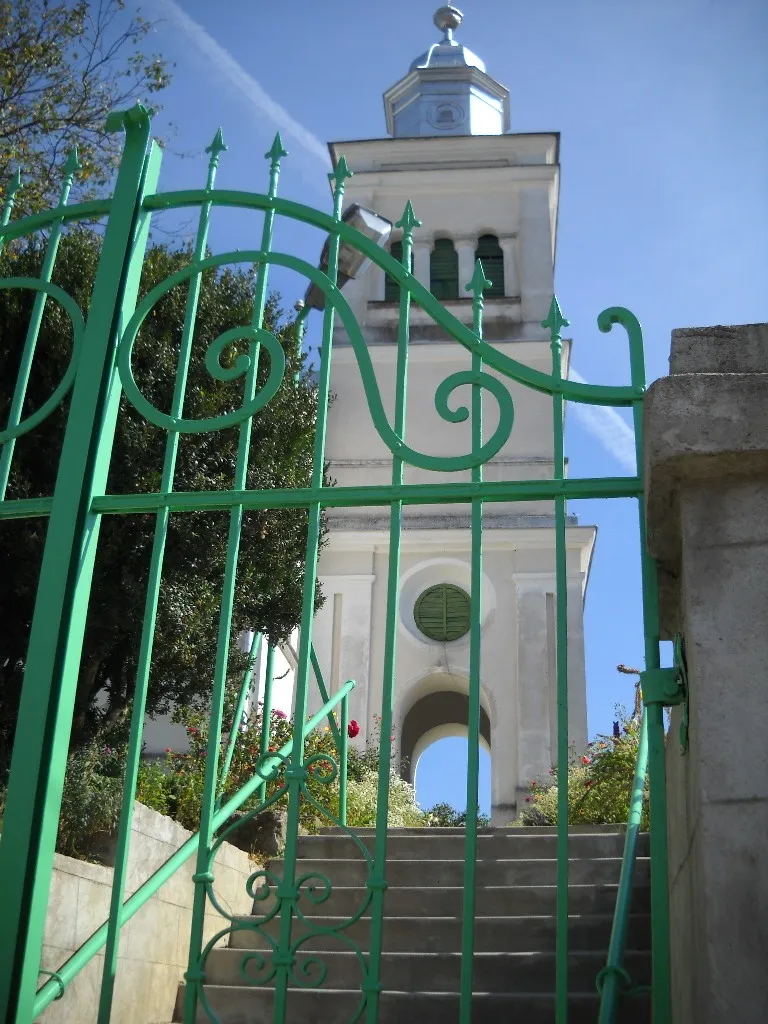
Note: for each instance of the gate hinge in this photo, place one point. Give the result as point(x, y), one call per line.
point(668, 687)
point(662, 686)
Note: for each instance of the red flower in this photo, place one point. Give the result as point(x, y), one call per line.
point(587, 785)
point(353, 729)
point(527, 799)
point(585, 760)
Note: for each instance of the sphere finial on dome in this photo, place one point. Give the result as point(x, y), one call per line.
point(447, 18)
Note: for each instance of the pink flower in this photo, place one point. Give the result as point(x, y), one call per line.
point(585, 760)
point(279, 714)
point(353, 729)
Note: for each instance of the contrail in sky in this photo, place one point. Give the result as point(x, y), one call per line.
point(224, 64)
point(611, 430)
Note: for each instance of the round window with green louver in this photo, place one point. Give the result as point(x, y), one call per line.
point(443, 613)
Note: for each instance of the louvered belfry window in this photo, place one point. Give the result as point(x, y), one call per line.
point(442, 613)
point(490, 253)
point(444, 270)
point(391, 287)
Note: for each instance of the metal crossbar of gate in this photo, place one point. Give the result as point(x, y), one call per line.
point(100, 371)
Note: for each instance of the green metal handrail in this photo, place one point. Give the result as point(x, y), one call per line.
point(613, 976)
point(53, 988)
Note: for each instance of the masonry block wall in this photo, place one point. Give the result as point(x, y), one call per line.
point(154, 943)
point(706, 464)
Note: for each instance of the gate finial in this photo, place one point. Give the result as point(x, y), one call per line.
point(409, 220)
point(555, 321)
point(72, 164)
point(217, 146)
point(13, 187)
point(276, 151)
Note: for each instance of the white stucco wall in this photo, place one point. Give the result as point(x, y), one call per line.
point(461, 188)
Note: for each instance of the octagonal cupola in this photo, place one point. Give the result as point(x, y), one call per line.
point(447, 90)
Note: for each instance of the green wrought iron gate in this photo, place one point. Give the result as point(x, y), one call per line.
point(99, 372)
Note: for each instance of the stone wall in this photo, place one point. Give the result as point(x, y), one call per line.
point(706, 463)
point(154, 943)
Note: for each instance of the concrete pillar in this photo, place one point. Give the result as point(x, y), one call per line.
point(706, 466)
point(577, 682)
point(511, 275)
point(378, 280)
point(533, 680)
point(421, 254)
point(349, 596)
point(536, 256)
point(465, 249)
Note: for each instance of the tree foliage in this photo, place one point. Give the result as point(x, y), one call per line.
point(63, 68)
point(272, 545)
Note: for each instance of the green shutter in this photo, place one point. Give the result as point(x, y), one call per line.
point(443, 612)
point(444, 270)
point(391, 287)
point(490, 254)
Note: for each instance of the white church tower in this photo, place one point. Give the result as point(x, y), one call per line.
point(479, 191)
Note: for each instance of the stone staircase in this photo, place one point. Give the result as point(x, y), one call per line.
point(514, 962)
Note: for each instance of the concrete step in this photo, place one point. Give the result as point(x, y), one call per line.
point(445, 844)
point(490, 900)
point(238, 1005)
point(439, 873)
point(443, 934)
point(542, 830)
point(429, 972)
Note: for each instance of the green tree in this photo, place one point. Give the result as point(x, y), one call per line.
point(271, 564)
point(63, 67)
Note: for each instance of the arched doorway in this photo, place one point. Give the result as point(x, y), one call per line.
point(440, 776)
point(433, 717)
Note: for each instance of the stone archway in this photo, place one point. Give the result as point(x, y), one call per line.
point(437, 714)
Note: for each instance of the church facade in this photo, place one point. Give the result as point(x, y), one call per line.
point(479, 192)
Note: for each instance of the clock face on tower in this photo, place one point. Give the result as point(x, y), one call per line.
point(446, 116)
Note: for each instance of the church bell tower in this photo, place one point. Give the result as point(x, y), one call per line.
point(479, 192)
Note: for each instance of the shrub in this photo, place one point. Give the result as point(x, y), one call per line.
point(90, 806)
point(599, 782)
point(446, 816)
point(362, 801)
point(174, 784)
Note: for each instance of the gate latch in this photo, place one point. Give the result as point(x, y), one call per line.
point(668, 687)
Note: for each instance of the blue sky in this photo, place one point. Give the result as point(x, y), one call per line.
point(663, 113)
